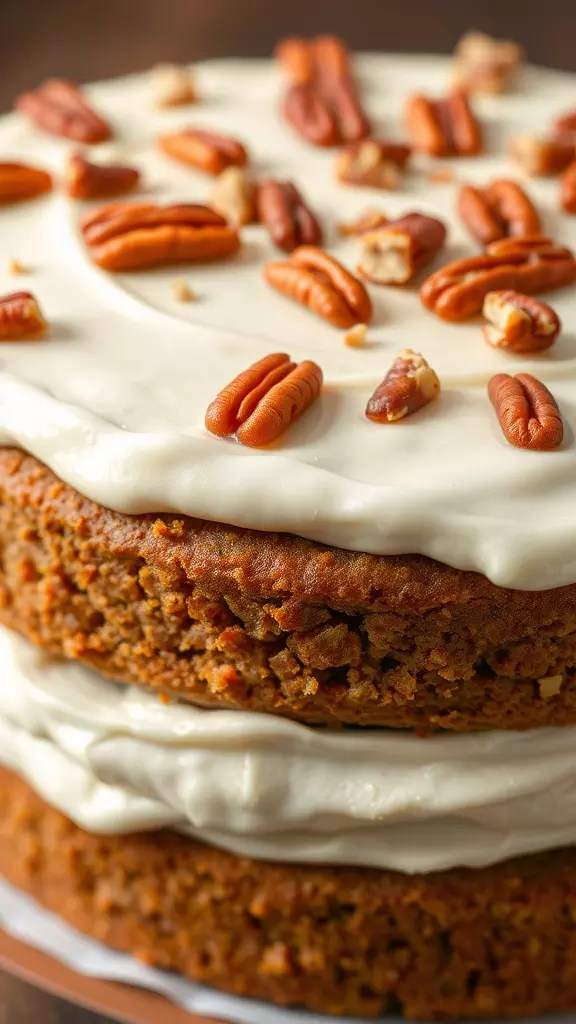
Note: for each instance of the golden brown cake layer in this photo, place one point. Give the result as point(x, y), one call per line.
point(237, 618)
point(458, 944)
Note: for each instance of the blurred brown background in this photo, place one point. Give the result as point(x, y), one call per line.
point(89, 39)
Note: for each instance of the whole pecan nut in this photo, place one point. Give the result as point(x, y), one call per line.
point(316, 280)
point(21, 181)
point(86, 180)
point(409, 385)
point(486, 65)
point(283, 211)
point(528, 265)
point(568, 189)
point(59, 107)
point(519, 323)
point(540, 157)
point(394, 253)
point(527, 412)
point(500, 210)
point(134, 236)
point(372, 163)
point(234, 196)
point(262, 402)
point(446, 127)
point(205, 150)
point(21, 318)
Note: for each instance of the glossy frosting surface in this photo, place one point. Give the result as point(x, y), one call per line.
point(115, 400)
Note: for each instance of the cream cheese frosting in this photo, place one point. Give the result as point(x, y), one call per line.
point(115, 759)
point(114, 400)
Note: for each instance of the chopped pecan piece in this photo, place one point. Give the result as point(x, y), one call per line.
point(20, 181)
point(487, 65)
point(262, 402)
point(446, 127)
point(234, 196)
point(528, 265)
point(321, 102)
point(207, 151)
point(289, 221)
point(21, 318)
point(519, 323)
point(568, 189)
point(173, 86)
point(372, 163)
point(133, 236)
point(85, 180)
point(528, 413)
point(409, 384)
point(539, 157)
point(59, 107)
point(356, 336)
point(392, 254)
point(500, 210)
point(367, 221)
point(565, 127)
point(318, 281)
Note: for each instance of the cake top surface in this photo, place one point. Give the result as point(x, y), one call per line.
point(114, 399)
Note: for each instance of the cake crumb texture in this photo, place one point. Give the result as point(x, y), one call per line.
point(237, 618)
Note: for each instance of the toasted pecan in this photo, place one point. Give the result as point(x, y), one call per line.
point(21, 318)
point(392, 254)
point(208, 151)
point(527, 412)
point(289, 220)
point(86, 180)
point(60, 107)
point(315, 279)
point(372, 163)
point(519, 323)
point(21, 181)
point(408, 386)
point(499, 210)
point(234, 196)
point(541, 157)
point(445, 127)
point(486, 65)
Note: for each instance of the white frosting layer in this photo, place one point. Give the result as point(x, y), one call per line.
point(116, 759)
point(114, 402)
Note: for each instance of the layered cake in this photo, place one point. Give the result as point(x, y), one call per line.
point(287, 527)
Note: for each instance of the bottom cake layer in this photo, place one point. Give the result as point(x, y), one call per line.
point(500, 941)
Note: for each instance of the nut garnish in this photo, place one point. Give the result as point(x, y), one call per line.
point(368, 220)
point(182, 291)
point(540, 157)
point(519, 323)
point(283, 211)
point(207, 151)
point(20, 181)
point(528, 413)
point(446, 127)
point(568, 189)
point(86, 180)
point(550, 686)
point(409, 384)
point(484, 64)
point(392, 254)
point(318, 281)
point(132, 236)
point(372, 163)
point(442, 176)
point(21, 318)
point(321, 102)
point(500, 210)
point(262, 402)
point(565, 127)
point(16, 267)
point(234, 196)
point(59, 107)
point(173, 85)
point(356, 336)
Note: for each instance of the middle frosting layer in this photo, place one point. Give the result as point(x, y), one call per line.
point(115, 759)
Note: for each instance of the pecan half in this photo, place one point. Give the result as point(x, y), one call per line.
point(500, 210)
point(446, 127)
point(568, 189)
point(59, 107)
point(85, 180)
point(321, 102)
point(409, 384)
point(289, 221)
point(21, 318)
point(234, 196)
point(392, 254)
point(486, 65)
point(318, 281)
point(207, 151)
point(527, 412)
point(541, 158)
point(21, 181)
point(133, 236)
point(372, 163)
point(173, 86)
point(262, 402)
point(527, 265)
point(519, 323)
